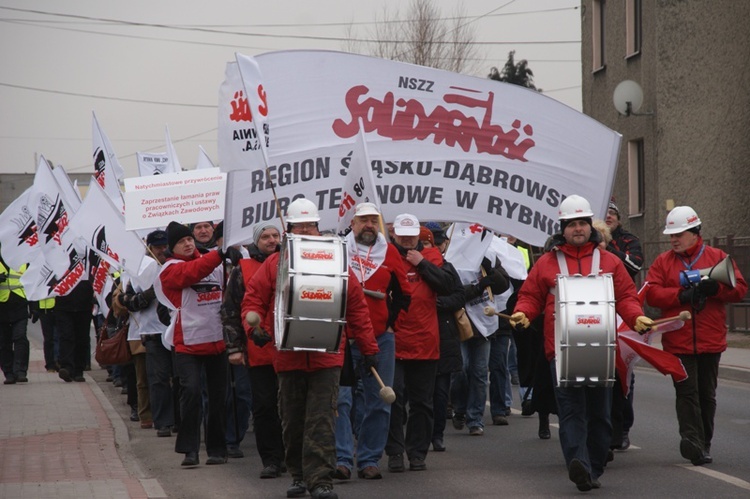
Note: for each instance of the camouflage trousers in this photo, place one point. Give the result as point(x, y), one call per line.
point(307, 402)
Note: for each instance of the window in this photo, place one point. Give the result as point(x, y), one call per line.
point(598, 35)
point(633, 27)
point(636, 178)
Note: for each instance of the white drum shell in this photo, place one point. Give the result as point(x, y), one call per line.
point(585, 330)
point(310, 308)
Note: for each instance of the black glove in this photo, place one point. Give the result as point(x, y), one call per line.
point(708, 287)
point(260, 337)
point(370, 361)
point(484, 282)
point(34, 314)
point(487, 265)
point(232, 254)
point(693, 296)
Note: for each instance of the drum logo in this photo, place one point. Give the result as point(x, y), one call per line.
point(588, 320)
point(316, 293)
point(317, 254)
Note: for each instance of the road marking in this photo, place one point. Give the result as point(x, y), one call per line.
point(737, 482)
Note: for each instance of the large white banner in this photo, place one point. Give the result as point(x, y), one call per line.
point(191, 196)
point(443, 146)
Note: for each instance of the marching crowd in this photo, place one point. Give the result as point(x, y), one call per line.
point(203, 342)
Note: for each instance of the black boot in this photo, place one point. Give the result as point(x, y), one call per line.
point(544, 432)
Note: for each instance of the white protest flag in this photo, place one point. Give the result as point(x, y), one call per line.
point(359, 186)
point(204, 162)
point(511, 258)
point(153, 163)
point(174, 163)
point(107, 169)
point(70, 193)
point(102, 227)
point(468, 245)
point(19, 241)
point(257, 102)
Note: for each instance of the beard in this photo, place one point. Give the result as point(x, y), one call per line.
point(366, 237)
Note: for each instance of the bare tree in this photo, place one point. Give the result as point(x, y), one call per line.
point(422, 37)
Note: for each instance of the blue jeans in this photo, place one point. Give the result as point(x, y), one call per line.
point(499, 375)
point(159, 374)
point(471, 390)
point(236, 431)
point(375, 414)
point(585, 425)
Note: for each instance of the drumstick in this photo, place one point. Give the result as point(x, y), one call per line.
point(489, 310)
point(684, 316)
point(386, 392)
point(374, 294)
point(252, 318)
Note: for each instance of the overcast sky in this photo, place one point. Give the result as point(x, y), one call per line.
point(59, 61)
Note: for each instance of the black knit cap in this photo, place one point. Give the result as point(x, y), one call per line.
point(175, 232)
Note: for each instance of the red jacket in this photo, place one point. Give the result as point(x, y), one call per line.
point(535, 295)
point(663, 287)
point(257, 356)
point(261, 296)
point(181, 275)
point(418, 331)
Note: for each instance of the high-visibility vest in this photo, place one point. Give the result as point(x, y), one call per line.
point(525, 253)
point(47, 303)
point(12, 283)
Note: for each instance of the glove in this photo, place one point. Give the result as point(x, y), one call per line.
point(34, 314)
point(232, 254)
point(643, 324)
point(519, 319)
point(693, 297)
point(708, 287)
point(260, 337)
point(484, 282)
point(487, 265)
point(370, 361)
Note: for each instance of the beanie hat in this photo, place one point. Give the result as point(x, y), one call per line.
point(613, 206)
point(157, 238)
point(259, 229)
point(425, 234)
point(219, 230)
point(175, 232)
point(564, 223)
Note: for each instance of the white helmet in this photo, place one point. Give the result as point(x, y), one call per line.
point(574, 206)
point(302, 210)
point(680, 219)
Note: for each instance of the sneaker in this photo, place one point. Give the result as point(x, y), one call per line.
point(459, 421)
point(271, 471)
point(164, 432)
point(297, 489)
point(235, 452)
point(134, 414)
point(342, 473)
point(499, 420)
point(370, 473)
point(417, 464)
point(323, 491)
point(396, 463)
point(191, 459)
point(689, 450)
point(595, 483)
point(438, 445)
point(476, 431)
point(578, 475)
point(216, 460)
point(625, 445)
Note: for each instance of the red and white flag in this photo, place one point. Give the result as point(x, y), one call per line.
point(107, 170)
point(359, 186)
point(257, 101)
point(19, 240)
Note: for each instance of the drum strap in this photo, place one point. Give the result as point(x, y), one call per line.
point(563, 265)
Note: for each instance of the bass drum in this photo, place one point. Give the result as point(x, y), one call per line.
point(585, 331)
point(310, 308)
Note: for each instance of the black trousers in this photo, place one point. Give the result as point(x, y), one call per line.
point(75, 339)
point(266, 422)
point(696, 398)
point(191, 369)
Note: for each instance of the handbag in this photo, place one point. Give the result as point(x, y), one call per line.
point(114, 350)
point(465, 330)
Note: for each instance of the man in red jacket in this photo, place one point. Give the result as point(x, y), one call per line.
point(417, 347)
point(258, 359)
point(190, 285)
point(308, 381)
point(377, 267)
point(583, 412)
point(700, 341)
